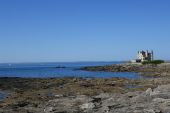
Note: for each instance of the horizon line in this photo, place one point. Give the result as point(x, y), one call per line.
point(60, 62)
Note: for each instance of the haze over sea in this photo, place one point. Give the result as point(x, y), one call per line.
point(69, 69)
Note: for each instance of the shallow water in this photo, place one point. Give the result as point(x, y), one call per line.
point(46, 70)
point(3, 95)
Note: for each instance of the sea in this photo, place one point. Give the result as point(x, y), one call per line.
point(61, 69)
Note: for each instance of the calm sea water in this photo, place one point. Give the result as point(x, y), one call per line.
point(45, 70)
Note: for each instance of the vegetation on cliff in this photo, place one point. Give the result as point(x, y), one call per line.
point(154, 62)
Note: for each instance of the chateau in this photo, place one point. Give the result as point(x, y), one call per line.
point(144, 56)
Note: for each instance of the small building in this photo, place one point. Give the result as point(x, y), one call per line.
point(144, 56)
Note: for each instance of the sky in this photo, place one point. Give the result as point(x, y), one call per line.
point(83, 30)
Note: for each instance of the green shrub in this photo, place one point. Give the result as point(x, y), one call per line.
point(155, 62)
point(145, 62)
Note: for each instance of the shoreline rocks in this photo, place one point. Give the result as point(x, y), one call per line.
point(132, 102)
point(146, 70)
point(94, 95)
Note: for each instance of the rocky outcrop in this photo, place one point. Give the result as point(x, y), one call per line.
point(147, 70)
point(151, 101)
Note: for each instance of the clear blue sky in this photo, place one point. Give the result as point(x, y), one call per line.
point(83, 30)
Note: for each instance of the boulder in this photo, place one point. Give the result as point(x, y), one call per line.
point(87, 106)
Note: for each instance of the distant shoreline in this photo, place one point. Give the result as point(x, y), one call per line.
point(146, 70)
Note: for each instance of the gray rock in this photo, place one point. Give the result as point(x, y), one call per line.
point(149, 111)
point(150, 101)
point(148, 92)
point(87, 106)
point(48, 109)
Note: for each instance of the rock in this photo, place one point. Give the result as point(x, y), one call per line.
point(96, 100)
point(148, 92)
point(103, 96)
point(22, 103)
point(139, 99)
point(155, 100)
point(48, 109)
point(161, 92)
point(58, 96)
point(162, 88)
point(159, 100)
point(137, 111)
point(149, 111)
point(165, 106)
point(87, 106)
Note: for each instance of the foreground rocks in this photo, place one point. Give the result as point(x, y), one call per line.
point(155, 100)
point(80, 95)
point(150, 101)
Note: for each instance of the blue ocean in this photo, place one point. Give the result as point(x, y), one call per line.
point(71, 69)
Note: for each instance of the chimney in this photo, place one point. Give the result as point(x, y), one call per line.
point(152, 56)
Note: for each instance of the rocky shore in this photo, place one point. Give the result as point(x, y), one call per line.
point(150, 101)
point(146, 70)
point(90, 95)
point(78, 95)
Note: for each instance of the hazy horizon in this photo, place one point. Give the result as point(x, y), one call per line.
point(57, 62)
point(90, 30)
